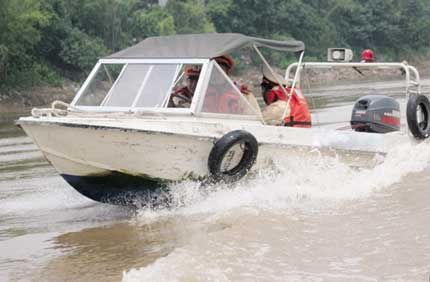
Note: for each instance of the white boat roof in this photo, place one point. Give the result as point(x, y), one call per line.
point(205, 45)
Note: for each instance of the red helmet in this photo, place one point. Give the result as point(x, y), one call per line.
point(367, 56)
point(226, 61)
point(192, 72)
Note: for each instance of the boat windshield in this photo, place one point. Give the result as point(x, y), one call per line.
point(198, 87)
point(222, 95)
point(136, 85)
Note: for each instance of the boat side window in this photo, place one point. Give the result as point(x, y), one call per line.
point(99, 86)
point(126, 87)
point(184, 86)
point(156, 88)
point(223, 97)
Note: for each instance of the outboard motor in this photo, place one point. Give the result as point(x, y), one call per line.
point(376, 113)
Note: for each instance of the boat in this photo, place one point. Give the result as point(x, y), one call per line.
point(120, 134)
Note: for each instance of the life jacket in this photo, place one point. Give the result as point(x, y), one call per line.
point(300, 115)
point(226, 103)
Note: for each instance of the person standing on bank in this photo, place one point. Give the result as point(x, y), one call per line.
point(367, 56)
point(297, 114)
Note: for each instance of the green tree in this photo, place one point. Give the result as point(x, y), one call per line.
point(109, 20)
point(251, 17)
point(20, 21)
point(219, 12)
point(57, 30)
point(367, 24)
point(40, 38)
point(80, 52)
point(304, 22)
point(274, 19)
point(153, 22)
point(189, 16)
point(415, 22)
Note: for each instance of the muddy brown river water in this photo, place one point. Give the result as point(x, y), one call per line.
point(310, 222)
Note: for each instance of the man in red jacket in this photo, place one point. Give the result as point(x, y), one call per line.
point(221, 97)
point(297, 114)
point(181, 98)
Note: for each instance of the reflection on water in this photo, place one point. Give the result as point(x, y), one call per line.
point(311, 222)
point(104, 252)
point(7, 126)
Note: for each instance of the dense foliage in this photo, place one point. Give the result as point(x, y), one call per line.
point(44, 41)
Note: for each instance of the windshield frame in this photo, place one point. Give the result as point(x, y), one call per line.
point(102, 62)
point(199, 93)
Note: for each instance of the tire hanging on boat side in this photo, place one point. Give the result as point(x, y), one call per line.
point(418, 116)
point(221, 151)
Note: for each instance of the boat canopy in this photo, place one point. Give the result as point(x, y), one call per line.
point(206, 45)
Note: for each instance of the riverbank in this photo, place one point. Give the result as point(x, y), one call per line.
point(323, 77)
point(22, 100)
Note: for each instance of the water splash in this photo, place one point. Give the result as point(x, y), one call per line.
point(228, 256)
point(300, 181)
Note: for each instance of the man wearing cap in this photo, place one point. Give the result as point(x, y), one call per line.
point(226, 63)
point(182, 97)
point(297, 113)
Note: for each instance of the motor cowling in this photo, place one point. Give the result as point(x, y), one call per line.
point(376, 113)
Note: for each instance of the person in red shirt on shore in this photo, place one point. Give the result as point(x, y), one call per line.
point(297, 114)
point(367, 56)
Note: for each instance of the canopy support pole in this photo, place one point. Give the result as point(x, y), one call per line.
point(293, 86)
point(279, 82)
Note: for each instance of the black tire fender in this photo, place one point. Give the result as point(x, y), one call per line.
point(418, 116)
point(219, 151)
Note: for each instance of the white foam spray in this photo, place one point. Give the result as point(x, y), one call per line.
point(295, 182)
point(301, 183)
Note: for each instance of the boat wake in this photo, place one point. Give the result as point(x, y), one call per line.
point(303, 186)
point(320, 180)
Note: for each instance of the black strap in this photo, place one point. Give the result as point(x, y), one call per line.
point(298, 123)
point(292, 122)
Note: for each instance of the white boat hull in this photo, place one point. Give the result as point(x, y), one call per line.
point(94, 154)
